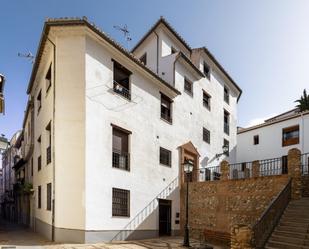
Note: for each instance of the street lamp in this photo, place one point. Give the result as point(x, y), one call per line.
point(225, 149)
point(188, 168)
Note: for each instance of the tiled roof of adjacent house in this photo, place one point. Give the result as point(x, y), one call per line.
point(84, 21)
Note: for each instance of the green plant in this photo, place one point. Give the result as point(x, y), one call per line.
point(303, 102)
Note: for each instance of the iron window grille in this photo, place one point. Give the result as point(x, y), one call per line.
point(121, 202)
point(165, 157)
point(166, 108)
point(206, 135)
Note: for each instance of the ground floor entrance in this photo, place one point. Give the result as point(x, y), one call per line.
point(165, 217)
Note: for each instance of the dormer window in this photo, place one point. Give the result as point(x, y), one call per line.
point(206, 70)
point(143, 59)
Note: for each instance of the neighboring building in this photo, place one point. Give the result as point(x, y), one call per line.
point(3, 146)
point(9, 157)
point(113, 128)
point(275, 137)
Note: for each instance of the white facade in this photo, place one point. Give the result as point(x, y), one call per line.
point(82, 108)
point(270, 138)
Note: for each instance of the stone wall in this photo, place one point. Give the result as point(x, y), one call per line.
point(220, 205)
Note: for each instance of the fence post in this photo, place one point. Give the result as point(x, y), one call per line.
point(225, 170)
point(294, 171)
point(242, 237)
point(256, 168)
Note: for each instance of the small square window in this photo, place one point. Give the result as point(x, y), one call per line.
point(188, 87)
point(206, 70)
point(165, 157)
point(206, 135)
point(256, 140)
point(121, 202)
point(206, 100)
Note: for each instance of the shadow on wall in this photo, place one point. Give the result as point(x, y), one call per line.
point(215, 161)
point(138, 227)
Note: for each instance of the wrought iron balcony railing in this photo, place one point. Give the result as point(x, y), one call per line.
point(121, 160)
point(121, 90)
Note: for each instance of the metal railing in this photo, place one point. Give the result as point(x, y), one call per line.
point(146, 211)
point(227, 128)
point(48, 154)
point(305, 163)
point(121, 160)
point(121, 90)
point(208, 174)
point(241, 170)
point(274, 166)
point(267, 222)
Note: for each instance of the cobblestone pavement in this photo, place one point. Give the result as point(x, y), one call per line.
point(14, 236)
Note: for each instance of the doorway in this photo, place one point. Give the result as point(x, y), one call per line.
point(165, 213)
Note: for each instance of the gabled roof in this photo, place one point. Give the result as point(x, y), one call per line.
point(84, 22)
point(190, 148)
point(170, 28)
point(213, 58)
point(189, 62)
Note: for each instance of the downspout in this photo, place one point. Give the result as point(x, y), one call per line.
point(157, 51)
point(303, 133)
point(53, 135)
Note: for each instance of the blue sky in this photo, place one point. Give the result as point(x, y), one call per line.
point(263, 44)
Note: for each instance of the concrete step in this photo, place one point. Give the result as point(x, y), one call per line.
point(291, 233)
point(291, 240)
point(284, 245)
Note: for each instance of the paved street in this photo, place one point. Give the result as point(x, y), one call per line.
point(14, 236)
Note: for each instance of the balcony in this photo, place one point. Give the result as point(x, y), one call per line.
point(121, 160)
point(227, 128)
point(48, 155)
point(121, 90)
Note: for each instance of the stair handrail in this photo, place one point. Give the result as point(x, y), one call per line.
point(124, 229)
point(269, 219)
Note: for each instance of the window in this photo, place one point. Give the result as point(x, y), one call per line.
point(143, 59)
point(48, 78)
point(226, 120)
point(39, 197)
point(49, 196)
point(39, 101)
point(165, 157)
point(48, 137)
point(226, 95)
point(256, 139)
point(31, 166)
point(166, 108)
point(290, 135)
point(121, 156)
point(206, 100)
point(122, 80)
point(206, 135)
point(188, 87)
point(39, 157)
point(206, 70)
point(173, 50)
point(227, 144)
point(121, 202)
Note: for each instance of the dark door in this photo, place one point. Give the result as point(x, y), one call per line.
point(165, 210)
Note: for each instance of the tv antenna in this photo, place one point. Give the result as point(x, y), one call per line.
point(28, 56)
point(125, 31)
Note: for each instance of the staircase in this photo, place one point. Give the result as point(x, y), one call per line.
point(292, 231)
point(141, 216)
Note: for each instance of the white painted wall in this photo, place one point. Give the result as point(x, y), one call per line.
point(270, 144)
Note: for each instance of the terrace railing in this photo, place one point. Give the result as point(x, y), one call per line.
point(274, 166)
point(305, 164)
point(208, 174)
point(241, 170)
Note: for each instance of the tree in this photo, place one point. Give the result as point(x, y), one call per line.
point(303, 102)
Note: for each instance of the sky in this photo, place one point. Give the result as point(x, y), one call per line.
point(263, 44)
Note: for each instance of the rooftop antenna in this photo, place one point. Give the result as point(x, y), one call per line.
point(126, 33)
point(28, 56)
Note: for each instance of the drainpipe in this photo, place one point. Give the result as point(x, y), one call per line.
point(53, 135)
point(302, 132)
point(157, 51)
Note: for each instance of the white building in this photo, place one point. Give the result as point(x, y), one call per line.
point(275, 137)
point(112, 129)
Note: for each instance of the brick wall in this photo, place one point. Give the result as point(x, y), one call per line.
point(214, 207)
